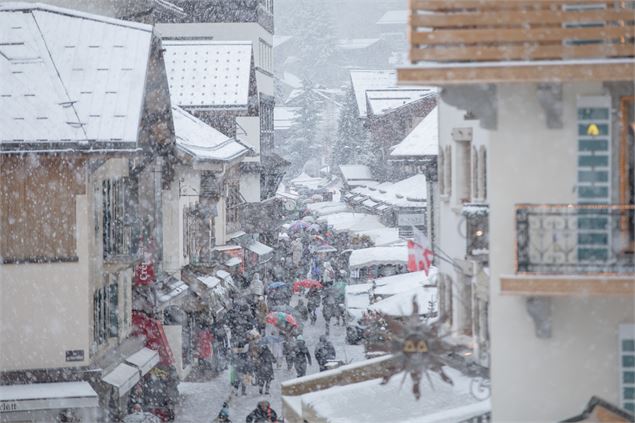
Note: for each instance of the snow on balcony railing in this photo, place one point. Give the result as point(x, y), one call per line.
point(575, 239)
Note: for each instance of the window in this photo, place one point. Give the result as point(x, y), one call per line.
point(475, 174)
point(265, 55)
point(117, 230)
point(266, 125)
point(441, 171)
point(233, 201)
point(105, 312)
point(482, 169)
point(448, 171)
point(465, 171)
point(627, 366)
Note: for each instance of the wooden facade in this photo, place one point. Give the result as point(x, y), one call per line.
point(462, 41)
point(37, 207)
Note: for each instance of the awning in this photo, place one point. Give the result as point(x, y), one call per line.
point(259, 248)
point(234, 261)
point(226, 277)
point(369, 203)
point(123, 377)
point(144, 359)
point(210, 282)
point(47, 396)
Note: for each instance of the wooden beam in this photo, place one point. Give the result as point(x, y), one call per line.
point(520, 52)
point(531, 35)
point(499, 73)
point(567, 285)
point(509, 18)
point(448, 5)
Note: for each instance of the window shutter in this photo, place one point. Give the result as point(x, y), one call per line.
point(627, 366)
point(113, 310)
point(594, 176)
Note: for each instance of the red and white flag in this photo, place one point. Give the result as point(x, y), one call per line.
point(419, 252)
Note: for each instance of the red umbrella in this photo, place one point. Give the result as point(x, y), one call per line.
point(306, 283)
point(281, 320)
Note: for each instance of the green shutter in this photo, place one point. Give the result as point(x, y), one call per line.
point(594, 176)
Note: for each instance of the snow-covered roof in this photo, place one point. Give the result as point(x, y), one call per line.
point(356, 43)
point(380, 80)
point(371, 402)
point(423, 140)
point(409, 192)
point(378, 256)
point(382, 237)
point(382, 101)
point(203, 142)
point(356, 173)
point(400, 304)
point(203, 73)
point(310, 182)
point(341, 222)
point(394, 17)
point(70, 78)
point(209, 281)
point(292, 80)
point(284, 117)
point(390, 285)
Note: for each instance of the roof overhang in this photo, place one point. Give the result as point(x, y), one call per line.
point(441, 74)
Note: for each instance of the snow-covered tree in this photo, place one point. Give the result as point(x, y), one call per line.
point(352, 143)
point(303, 140)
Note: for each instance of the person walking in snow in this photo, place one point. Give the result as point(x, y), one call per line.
point(302, 357)
point(223, 414)
point(313, 302)
point(329, 305)
point(328, 273)
point(296, 252)
point(288, 349)
point(302, 310)
point(324, 351)
point(263, 413)
point(264, 368)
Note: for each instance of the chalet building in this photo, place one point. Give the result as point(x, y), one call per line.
point(86, 145)
point(389, 112)
point(549, 94)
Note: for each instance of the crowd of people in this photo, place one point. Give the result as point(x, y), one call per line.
point(252, 345)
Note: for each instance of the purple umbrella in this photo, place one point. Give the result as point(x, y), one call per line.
point(298, 225)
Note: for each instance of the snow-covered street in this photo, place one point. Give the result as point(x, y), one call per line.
point(201, 401)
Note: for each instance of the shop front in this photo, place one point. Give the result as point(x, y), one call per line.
point(49, 402)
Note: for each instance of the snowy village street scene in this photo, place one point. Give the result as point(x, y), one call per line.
point(317, 211)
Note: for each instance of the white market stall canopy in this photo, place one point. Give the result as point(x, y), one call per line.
point(409, 192)
point(382, 237)
point(47, 396)
point(144, 359)
point(324, 208)
point(342, 222)
point(123, 377)
point(391, 285)
point(378, 256)
point(400, 305)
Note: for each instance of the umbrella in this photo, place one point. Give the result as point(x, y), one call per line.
point(298, 225)
point(325, 248)
point(281, 320)
point(306, 283)
point(276, 285)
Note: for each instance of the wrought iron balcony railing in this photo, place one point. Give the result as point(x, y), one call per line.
point(575, 239)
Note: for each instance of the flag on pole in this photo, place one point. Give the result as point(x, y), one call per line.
point(419, 252)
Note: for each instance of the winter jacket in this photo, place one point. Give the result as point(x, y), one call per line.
point(313, 298)
point(302, 354)
point(324, 351)
point(264, 365)
point(262, 416)
point(257, 287)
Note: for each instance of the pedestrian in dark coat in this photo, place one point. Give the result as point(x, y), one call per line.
point(263, 413)
point(288, 349)
point(324, 351)
point(302, 310)
point(302, 356)
point(264, 368)
point(313, 302)
point(328, 306)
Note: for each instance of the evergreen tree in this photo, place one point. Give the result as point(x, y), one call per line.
point(302, 142)
point(352, 143)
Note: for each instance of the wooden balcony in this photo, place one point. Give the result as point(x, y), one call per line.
point(489, 41)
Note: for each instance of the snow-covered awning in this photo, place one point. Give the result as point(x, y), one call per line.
point(259, 248)
point(378, 256)
point(144, 359)
point(47, 396)
point(210, 282)
point(342, 222)
point(400, 305)
point(123, 377)
point(382, 237)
